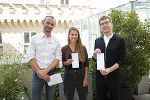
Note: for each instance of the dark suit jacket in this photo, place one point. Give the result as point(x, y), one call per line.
point(114, 53)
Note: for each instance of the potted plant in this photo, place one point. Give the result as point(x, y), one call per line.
point(137, 37)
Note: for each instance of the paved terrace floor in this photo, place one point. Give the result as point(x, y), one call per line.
point(136, 97)
point(142, 97)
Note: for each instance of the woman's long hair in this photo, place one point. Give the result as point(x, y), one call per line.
point(79, 46)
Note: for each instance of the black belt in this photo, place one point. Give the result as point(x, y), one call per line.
point(74, 70)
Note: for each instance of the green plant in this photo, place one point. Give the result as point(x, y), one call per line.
point(61, 71)
point(137, 37)
point(11, 80)
point(92, 71)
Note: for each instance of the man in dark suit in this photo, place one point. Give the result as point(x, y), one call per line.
point(113, 47)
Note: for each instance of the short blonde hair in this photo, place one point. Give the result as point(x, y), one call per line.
point(105, 17)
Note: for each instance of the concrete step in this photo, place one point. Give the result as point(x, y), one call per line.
point(142, 97)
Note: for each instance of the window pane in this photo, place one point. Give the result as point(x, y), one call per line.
point(33, 33)
point(26, 37)
point(67, 2)
point(25, 49)
point(0, 38)
point(62, 1)
point(1, 50)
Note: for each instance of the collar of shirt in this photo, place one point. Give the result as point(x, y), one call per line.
point(107, 38)
point(44, 36)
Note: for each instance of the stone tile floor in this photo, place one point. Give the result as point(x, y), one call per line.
point(135, 97)
point(142, 97)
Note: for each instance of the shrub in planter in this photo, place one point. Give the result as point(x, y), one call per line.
point(11, 81)
point(137, 37)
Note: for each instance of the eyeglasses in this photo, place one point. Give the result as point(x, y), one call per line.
point(101, 24)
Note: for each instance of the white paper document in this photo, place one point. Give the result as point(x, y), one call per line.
point(100, 61)
point(75, 63)
point(55, 79)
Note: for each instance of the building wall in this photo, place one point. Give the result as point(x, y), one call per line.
point(19, 21)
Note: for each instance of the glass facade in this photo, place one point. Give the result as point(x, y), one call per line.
point(89, 27)
point(1, 45)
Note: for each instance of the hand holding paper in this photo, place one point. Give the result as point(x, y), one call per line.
point(69, 61)
point(55, 79)
point(75, 63)
point(100, 62)
point(46, 78)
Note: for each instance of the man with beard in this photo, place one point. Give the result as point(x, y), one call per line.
point(113, 47)
point(44, 54)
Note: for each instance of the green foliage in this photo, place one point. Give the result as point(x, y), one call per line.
point(92, 71)
point(56, 97)
point(11, 81)
point(137, 37)
point(61, 71)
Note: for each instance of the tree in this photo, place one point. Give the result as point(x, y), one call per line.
point(137, 37)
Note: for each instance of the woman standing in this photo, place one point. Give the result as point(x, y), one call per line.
point(75, 77)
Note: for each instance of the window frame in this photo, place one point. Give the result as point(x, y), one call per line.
point(64, 2)
point(27, 44)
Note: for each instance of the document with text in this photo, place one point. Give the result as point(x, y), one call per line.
point(75, 63)
point(100, 61)
point(55, 79)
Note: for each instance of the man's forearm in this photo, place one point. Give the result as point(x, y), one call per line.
point(114, 67)
point(53, 65)
point(34, 65)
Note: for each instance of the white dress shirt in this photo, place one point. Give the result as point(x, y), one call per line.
point(107, 39)
point(44, 49)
